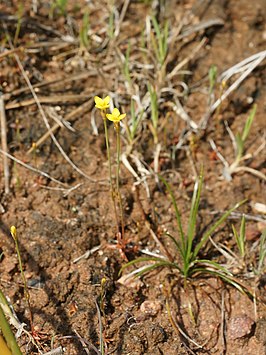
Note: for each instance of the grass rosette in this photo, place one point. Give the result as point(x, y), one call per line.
point(186, 248)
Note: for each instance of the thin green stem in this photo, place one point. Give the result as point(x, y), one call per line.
point(112, 190)
point(118, 147)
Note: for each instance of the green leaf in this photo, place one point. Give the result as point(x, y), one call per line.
point(139, 260)
point(236, 238)
point(154, 106)
point(222, 276)
point(249, 123)
point(177, 214)
point(160, 43)
point(213, 228)
point(155, 266)
point(239, 146)
point(193, 216)
point(176, 244)
point(213, 264)
point(242, 236)
point(212, 76)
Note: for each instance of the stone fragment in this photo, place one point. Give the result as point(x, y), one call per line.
point(240, 326)
point(151, 308)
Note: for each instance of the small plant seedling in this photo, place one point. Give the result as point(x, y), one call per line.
point(222, 87)
point(241, 238)
point(135, 122)
point(240, 139)
point(244, 258)
point(111, 22)
point(60, 6)
point(185, 245)
point(212, 82)
point(159, 42)
point(212, 78)
point(126, 69)
point(83, 33)
point(18, 27)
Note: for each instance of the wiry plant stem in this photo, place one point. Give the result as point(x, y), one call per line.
point(118, 147)
point(112, 190)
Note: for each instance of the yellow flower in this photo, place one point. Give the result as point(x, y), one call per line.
point(102, 104)
point(13, 231)
point(115, 115)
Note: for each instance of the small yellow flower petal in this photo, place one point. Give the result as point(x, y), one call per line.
point(115, 115)
point(106, 100)
point(102, 104)
point(13, 231)
point(98, 100)
point(109, 116)
point(122, 116)
point(116, 112)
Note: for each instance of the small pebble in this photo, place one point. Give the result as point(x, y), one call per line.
point(131, 282)
point(151, 308)
point(240, 326)
point(252, 232)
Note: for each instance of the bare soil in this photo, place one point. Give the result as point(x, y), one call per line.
point(57, 224)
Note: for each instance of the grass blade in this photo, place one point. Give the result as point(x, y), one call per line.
point(214, 265)
point(176, 244)
point(141, 259)
point(212, 229)
point(222, 276)
point(193, 216)
point(242, 236)
point(156, 266)
point(248, 123)
point(177, 213)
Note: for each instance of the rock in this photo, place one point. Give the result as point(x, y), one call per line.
point(151, 308)
point(252, 232)
point(260, 332)
point(240, 326)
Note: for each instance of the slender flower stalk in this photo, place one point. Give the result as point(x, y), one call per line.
point(116, 117)
point(102, 105)
point(118, 149)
